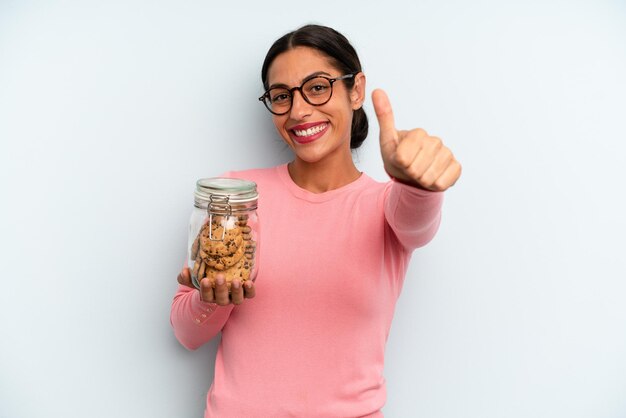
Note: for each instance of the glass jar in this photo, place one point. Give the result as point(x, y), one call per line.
point(224, 230)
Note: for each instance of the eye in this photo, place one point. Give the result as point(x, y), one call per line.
point(278, 97)
point(317, 88)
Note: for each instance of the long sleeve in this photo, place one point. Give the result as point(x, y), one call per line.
point(196, 322)
point(413, 214)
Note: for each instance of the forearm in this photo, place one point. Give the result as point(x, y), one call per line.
point(413, 214)
point(196, 322)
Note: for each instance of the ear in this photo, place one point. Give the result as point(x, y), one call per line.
point(357, 94)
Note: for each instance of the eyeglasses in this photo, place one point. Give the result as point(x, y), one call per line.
point(315, 91)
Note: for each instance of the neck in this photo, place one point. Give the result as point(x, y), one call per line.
point(324, 175)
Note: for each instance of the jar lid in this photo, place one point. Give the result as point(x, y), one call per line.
point(236, 190)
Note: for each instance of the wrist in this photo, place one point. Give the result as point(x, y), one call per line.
point(407, 182)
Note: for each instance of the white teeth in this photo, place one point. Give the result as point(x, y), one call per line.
point(311, 131)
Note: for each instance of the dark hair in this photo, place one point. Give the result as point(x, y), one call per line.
point(342, 55)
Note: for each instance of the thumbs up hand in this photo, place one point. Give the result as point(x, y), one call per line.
point(413, 157)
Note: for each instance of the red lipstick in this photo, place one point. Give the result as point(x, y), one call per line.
point(308, 132)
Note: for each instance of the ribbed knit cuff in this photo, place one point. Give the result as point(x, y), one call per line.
point(202, 311)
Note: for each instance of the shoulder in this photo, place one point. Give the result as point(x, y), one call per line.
point(266, 179)
point(255, 174)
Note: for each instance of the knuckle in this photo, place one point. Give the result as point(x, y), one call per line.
point(414, 172)
point(446, 157)
point(440, 185)
point(403, 160)
point(427, 180)
point(420, 132)
point(436, 142)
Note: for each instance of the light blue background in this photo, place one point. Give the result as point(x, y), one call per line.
point(109, 112)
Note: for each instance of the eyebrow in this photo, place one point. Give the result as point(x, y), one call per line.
point(307, 78)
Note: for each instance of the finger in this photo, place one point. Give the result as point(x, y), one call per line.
point(449, 177)
point(249, 289)
point(410, 145)
point(431, 179)
point(236, 292)
point(184, 277)
point(427, 149)
point(206, 290)
point(221, 290)
point(384, 113)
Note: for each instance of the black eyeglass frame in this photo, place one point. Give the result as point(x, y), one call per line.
point(266, 95)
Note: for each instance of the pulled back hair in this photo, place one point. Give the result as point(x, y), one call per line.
point(342, 56)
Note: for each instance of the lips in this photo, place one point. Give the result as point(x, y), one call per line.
point(308, 132)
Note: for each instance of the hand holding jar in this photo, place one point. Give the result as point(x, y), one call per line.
point(216, 290)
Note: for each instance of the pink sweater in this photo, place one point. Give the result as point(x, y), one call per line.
point(312, 341)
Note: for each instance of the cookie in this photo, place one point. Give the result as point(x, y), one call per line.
point(239, 271)
point(224, 246)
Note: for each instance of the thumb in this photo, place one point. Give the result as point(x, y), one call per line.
point(388, 133)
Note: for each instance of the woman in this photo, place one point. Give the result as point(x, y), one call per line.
point(308, 338)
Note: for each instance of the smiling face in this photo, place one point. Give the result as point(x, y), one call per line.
point(315, 133)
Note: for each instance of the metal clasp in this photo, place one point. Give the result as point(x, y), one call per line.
point(218, 204)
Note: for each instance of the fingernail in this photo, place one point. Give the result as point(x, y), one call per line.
point(236, 284)
point(219, 280)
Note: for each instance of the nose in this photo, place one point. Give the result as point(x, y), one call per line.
point(300, 108)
